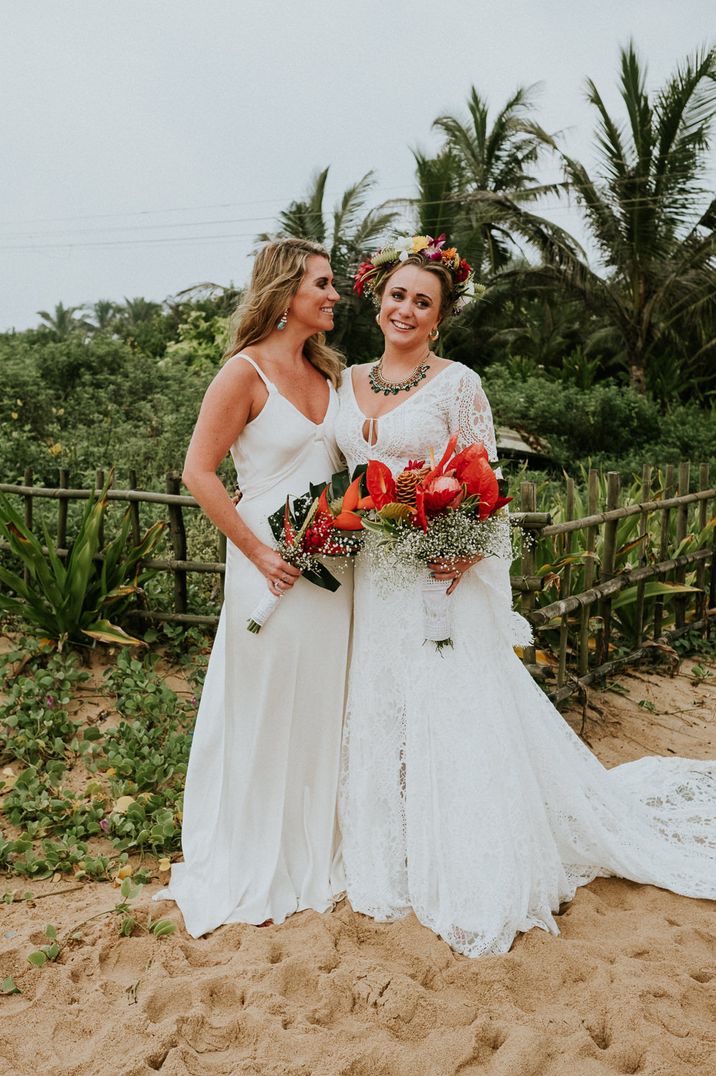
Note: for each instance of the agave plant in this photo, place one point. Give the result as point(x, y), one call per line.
point(84, 596)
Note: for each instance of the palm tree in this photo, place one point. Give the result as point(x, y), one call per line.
point(104, 314)
point(647, 211)
point(347, 233)
point(486, 171)
point(63, 322)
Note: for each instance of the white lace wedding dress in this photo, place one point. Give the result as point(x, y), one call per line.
point(259, 832)
point(465, 796)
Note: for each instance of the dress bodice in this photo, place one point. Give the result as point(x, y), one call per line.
point(283, 450)
point(453, 401)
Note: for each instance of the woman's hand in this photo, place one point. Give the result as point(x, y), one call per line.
point(452, 569)
point(279, 575)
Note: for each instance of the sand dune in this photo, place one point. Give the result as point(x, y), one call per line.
point(628, 987)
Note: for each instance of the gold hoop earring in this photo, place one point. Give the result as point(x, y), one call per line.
point(434, 334)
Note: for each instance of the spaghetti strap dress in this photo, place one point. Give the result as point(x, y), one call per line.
point(259, 833)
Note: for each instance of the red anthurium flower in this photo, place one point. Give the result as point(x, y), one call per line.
point(380, 483)
point(469, 466)
point(483, 484)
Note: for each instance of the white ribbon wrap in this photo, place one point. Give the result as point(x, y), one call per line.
point(263, 611)
point(436, 609)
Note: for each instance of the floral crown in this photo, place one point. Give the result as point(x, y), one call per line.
point(372, 272)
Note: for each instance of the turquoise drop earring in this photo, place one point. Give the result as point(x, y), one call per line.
point(281, 323)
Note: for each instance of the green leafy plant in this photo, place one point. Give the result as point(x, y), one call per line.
point(46, 953)
point(72, 601)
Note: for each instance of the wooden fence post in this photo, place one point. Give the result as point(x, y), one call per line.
point(28, 514)
point(702, 518)
point(609, 560)
point(663, 547)
point(712, 583)
point(682, 528)
point(643, 556)
point(134, 510)
point(62, 506)
point(99, 484)
point(178, 537)
point(565, 590)
point(528, 493)
point(592, 500)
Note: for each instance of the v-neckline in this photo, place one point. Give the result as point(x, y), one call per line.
point(411, 396)
point(316, 425)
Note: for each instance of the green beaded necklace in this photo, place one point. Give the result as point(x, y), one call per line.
point(392, 388)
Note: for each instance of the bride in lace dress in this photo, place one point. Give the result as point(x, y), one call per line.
point(259, 832)
point(465, 796)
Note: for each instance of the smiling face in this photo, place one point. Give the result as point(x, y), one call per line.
point(312, 305)
point(410, 307)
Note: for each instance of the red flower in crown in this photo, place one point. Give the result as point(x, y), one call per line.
point(463, 271)
point(363, 270)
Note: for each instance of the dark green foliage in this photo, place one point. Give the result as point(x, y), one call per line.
point(609, 424)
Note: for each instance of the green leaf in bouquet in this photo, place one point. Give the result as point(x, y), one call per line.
point(302, 507)
point(339, 483)
point(276, 521)
point(395, 513)
point(315, 490)
point(322, 578)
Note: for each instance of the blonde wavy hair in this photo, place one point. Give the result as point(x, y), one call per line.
point(279, 268)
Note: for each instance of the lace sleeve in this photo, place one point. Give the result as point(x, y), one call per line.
point(471, 415)
point(471, 419)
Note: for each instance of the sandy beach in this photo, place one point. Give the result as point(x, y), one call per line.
point(629, 986)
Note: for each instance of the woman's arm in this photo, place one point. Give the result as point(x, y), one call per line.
point(225, 410)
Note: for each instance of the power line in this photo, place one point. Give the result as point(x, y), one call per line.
point(230, 205)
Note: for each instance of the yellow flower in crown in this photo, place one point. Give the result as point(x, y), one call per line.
point(420, 242)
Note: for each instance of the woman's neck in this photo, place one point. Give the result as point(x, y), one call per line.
point(402, 361)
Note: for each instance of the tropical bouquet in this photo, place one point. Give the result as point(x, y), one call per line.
point(435, 514)
point(323, 522)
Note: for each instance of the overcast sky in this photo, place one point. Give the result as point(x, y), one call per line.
point(146, 142)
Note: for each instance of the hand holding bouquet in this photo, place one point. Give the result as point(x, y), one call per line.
point(436, 515)
point(324, 522)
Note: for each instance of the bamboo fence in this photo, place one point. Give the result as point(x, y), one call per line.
point(578, 626)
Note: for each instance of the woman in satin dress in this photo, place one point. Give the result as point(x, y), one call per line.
point(259, 832)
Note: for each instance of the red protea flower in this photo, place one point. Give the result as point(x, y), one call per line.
point(441, 493)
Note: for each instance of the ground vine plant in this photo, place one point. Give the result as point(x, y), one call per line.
point(93, 760)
